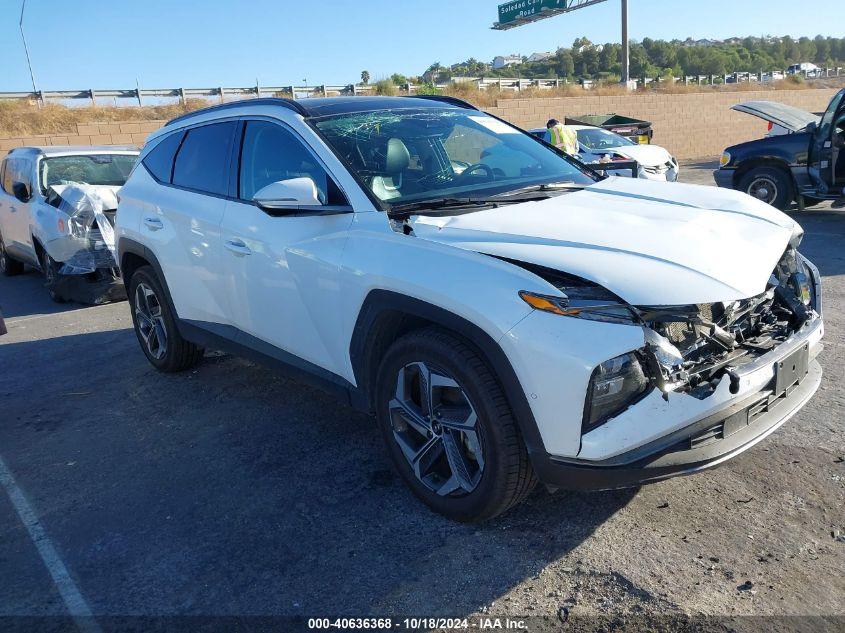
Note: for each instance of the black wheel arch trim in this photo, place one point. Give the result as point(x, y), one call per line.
point(127, 246)
point(378, 303)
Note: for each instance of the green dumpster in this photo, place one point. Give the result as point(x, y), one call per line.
point(637, 130)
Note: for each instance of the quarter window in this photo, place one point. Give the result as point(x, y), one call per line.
point(271, 153)
point(159, 161)
point(203, 160)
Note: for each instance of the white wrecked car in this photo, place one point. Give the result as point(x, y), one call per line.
point(57, 208)
point(597, 145)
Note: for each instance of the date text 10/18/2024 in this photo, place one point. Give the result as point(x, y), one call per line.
point(415, 624)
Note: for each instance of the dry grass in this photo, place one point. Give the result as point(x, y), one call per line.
point(24, 118)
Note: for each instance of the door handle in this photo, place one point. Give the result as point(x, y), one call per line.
point(238, 247)
point(153, 224)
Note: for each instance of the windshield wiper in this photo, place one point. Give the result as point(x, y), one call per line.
point(550, 187)
point(447, 206)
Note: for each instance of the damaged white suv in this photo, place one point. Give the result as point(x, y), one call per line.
point(57, 207)
point(506, 323)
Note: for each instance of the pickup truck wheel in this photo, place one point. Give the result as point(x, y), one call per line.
point(449, 428)
point(769, 185)
point(155, 325)
point(51, 277)
point(8, 267)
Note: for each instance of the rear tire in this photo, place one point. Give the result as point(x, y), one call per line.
point(449, 429)
point(50, 268)
point(9, 267)
point(770, 185)
point(155, 325)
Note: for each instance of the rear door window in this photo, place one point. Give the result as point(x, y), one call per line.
point(202, 163)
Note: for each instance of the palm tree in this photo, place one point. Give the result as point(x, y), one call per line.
point(365, 77)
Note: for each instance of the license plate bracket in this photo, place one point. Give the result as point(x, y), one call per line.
point(792, 369)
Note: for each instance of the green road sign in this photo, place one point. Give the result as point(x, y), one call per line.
point(518, 9)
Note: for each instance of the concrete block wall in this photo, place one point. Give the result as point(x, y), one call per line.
point(116, 133)
point(694, 125)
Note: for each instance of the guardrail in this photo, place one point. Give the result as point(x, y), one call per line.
point(482, 83)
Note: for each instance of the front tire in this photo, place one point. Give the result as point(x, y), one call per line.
point(155, 325)
point(9, 267)
point(449, 429)
point(770, 185)
point(50, 268)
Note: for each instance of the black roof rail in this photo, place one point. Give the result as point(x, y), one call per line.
point(290, 104)
point(445, 99)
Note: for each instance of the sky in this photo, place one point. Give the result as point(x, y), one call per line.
point(109, 44)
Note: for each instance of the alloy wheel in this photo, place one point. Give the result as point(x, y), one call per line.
point(435, 426)
point(150, 321)
point(763, 188)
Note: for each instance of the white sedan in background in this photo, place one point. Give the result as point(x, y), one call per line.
point(597, 145)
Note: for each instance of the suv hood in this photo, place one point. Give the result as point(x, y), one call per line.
point(650, 243)
point(789, 117)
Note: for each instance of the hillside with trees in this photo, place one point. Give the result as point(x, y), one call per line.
point(659, 58)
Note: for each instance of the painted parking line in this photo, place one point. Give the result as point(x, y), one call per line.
point(72, 597)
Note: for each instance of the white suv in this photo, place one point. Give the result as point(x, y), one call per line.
point(507, 324)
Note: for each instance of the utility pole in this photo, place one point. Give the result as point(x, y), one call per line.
point(626, 48)
point(26, 50)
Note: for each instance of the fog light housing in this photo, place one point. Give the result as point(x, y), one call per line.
point(615, 385)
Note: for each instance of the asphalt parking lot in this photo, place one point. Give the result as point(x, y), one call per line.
point(231, 491)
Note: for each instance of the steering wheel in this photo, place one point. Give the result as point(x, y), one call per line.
point(476, 167)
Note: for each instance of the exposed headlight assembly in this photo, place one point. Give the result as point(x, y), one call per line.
point(725, 159)
point(615, 385)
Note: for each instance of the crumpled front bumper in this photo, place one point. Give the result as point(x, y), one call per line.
point(704, 444)
point(104, 285)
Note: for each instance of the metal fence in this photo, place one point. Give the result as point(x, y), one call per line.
point(138, 95)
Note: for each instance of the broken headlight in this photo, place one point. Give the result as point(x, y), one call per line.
point(614, 386)
point(593, 303)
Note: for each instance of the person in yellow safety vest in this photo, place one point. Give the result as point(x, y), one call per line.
point(562, 136)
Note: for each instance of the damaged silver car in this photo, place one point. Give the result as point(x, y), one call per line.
point(57, 209)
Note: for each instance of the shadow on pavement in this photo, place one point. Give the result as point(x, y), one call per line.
point(25, 295)
point(228, 490)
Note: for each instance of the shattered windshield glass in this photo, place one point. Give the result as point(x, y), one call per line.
point(413, 155)
point(92, 169)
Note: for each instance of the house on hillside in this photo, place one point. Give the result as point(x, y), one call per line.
point(541, 57)
point(503, 61)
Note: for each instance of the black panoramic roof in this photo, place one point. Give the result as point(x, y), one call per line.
point(314, 107)
point(330, 106)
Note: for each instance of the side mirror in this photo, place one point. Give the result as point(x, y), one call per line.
point(812, 126)
point(288, 195)
point(21, 191)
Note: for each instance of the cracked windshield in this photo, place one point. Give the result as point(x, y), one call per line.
point(408, 156)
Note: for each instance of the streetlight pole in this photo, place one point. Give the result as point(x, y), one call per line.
point(626, 65)
point(26, 50)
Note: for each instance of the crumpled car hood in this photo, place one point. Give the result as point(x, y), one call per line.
point(647, 155)
point(651, 243)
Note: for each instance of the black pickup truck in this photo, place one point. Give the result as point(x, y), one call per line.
point(802, 159)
